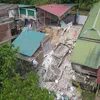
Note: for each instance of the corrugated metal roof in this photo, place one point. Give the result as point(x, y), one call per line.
point(56, 9)
point(28, 41)
point(86, 53)
point(87, 48)
point(93, 21)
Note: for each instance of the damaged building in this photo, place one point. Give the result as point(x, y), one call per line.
point(55, 14)
point(46, 39)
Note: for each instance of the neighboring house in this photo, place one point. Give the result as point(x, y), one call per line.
point(27, 12)
point(30, 45)
point(54, 13)
point(86, 54)
point(8, 21)
point(29, 15)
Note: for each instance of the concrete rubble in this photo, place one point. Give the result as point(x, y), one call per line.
point(52, 71)
point(56, 72)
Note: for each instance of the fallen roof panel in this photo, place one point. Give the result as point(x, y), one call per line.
point(28, 42)
point(86, 53)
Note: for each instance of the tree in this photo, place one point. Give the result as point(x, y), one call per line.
point(7, 61)
point(15, 87)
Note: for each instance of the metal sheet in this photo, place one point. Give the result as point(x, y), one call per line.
point(56, 9)
point(28, 41)
point(86, 53)
point(90, 22)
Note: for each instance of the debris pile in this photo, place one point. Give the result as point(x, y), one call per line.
point(53, 61)
point(56, 72)
point(54, 33)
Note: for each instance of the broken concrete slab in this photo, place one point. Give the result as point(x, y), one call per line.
point(60, 50)
point(52, 73)
point(53, 61)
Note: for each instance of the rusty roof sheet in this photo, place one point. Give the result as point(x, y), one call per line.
point(98, 76)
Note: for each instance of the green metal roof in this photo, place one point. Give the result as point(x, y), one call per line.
point(93, 22)
point(87, 49)
point(24, 6)
point(86, 53)
point(28, 41)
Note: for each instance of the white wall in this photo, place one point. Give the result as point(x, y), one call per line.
point(81, 19)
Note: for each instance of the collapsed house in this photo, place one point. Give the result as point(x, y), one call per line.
point(35, 47)
point(86, 54)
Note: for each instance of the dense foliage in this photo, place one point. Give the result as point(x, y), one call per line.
point(86, 4)
point(15, 87)
point(88, 95)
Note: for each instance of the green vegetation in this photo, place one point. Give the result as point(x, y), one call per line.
point(85, 4)
point(15, 87)
point(76, 84)
point(88, 95)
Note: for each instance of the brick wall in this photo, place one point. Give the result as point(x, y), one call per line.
point(5, 32)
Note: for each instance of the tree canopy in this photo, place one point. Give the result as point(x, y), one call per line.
point(82, 3)
point(15, 87)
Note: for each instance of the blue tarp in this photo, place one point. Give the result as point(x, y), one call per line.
point(63, 24)
point(28, 41)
